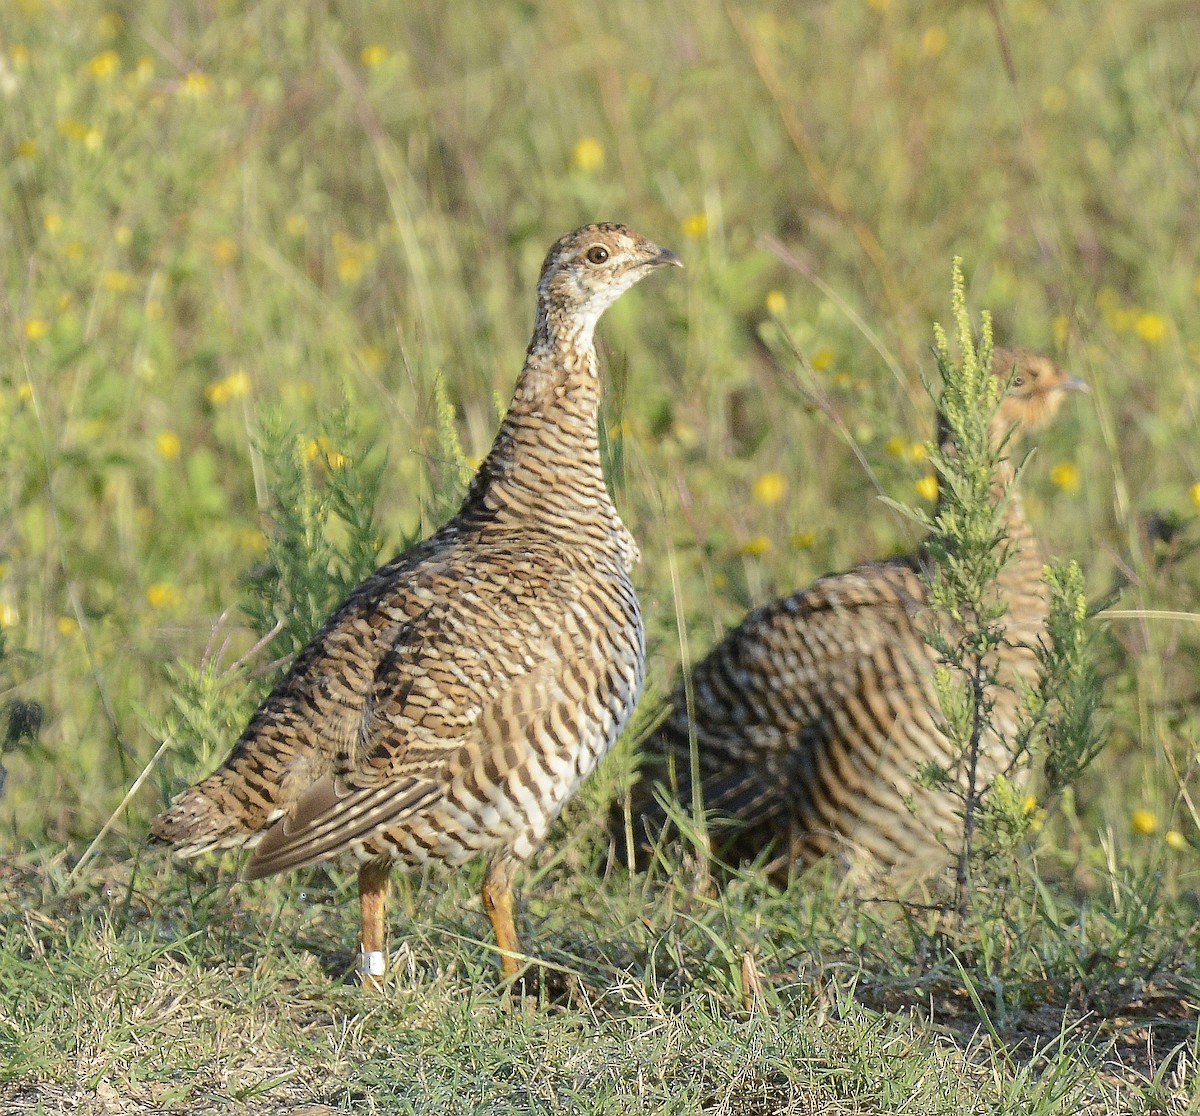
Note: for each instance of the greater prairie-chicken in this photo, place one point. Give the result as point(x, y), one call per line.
point(457, 698)
point(812, 718)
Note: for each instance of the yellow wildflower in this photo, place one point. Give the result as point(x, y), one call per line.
point(1065, 475)
point(320, 447)
point(776, 303)
point(804, 540)
point(822, 359)
point(104, 65)
point(720, 581)
point(1029, 804)
point(760, 544)
point(1054, 99)
point(253, 540)
point(1061, 327)
point(233, 386)
point(895, 446)
point(694, 226)
point(224, 250)
point(27, 149)
point(373, 55)
point(934, 41)
point(587, 155)
point(1144, 822)
point(167, 443)
point(1175, 840)
point(25, 392)
point(769, 488)
point(195, 85)
point(36, 329)
point(917, 451)
point(162, 594)
point(119, 282)
point(66, 625)
point(927, 487)
point(1194, 492)
point(1151, 327)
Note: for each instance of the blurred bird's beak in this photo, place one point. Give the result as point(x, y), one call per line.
point(665, 258)
point(1074, 383)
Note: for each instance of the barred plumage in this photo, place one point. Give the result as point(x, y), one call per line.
point(453, 703)
point(813, 717)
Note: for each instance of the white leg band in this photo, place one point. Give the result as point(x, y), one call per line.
point(373, 963)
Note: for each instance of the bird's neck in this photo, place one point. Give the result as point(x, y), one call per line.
point(544, 467)
point(1021, 579)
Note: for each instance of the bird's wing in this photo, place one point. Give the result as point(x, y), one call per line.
point(842, 659)
point(455, 702)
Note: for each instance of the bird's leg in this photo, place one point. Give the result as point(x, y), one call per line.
point(372, 896)
point(498, 903)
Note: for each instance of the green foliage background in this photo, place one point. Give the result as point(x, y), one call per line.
point(210, 208)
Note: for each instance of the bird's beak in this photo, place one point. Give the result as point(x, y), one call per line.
point(1074, 383)
point(665, 258)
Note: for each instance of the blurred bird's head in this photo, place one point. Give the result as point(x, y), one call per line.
point(588, 269)
point(1036, 389)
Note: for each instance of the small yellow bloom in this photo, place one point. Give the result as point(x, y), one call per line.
point(104, 65)
point(167, 443)
point(760, 544)
point(27, 149)
point(233, 386)
point(9, 616)
point(917, 451)
point(1065, 475)
point(1194, 492)
point(24, 392)
point(587, 155)
point(822, 359)
point(119, 282)
point(1175, 840)
point(769, 488)
point(35, 329)
point(1144, 822)
point(1061, 327)
point(720, 581)
point(804, 540)
point(776, 303)
point(66, 625)
point(253, 540)
point(373, 55)
point(694, 226)
point(296, 224)
point(934, 41)
point(224, 250)
point(895, 446)
point(162, 594)
point(927, 487)
point(1151, 327)
point(1029, 804)
point(195, 85)
point(1054, 99)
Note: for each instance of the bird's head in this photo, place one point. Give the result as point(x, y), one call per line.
point(588, 269)
point(1036, 389)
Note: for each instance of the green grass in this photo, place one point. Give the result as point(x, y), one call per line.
point(211, 210)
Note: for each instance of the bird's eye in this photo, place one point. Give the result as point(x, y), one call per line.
point(597, 254)
point(1018, 381)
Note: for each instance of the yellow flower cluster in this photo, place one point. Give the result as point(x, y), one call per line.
point(694, 226)
point(234, 386)
point(1065, 475)
point(352, 257)
point(1150, 326)
point(927, 487)
point(769, 488)
point(321, 447)
point(163, 595)
point(167, 443)
point(587, 155)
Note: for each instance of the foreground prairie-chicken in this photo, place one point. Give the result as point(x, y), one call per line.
point(455, 700)
point(812, 718)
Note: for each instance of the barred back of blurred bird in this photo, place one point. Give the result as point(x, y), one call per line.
point(455, 700)
point(812, 718)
